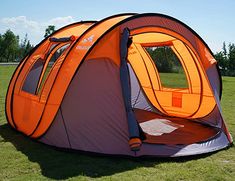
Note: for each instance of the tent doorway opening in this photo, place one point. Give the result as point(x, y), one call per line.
point(159, 129)
point(158, 99)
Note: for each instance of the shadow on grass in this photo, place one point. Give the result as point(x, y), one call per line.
point(57, 164)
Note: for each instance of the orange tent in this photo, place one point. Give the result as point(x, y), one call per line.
point(130, 84)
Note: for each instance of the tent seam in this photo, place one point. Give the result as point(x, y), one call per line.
point(65, 127)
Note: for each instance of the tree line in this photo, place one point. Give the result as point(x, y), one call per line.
point(226, 59)
point(165, 59)
point(12, 49)
point(167, 62)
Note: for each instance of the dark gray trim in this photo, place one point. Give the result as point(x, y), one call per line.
point(32, 79)
point(126, 88)
point(60, 40)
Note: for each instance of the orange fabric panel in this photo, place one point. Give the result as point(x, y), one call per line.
point(208, 100)
point(198, 83)
point(187, 108)
point(108, 47)
point(152, 97)
point(151, 38)
point(69, 68)
point(207, 105)
point(177, 99)
point(25, 111)
point(138, 66)
point(189, 66)
point(20, 102)
point(183, 90)
point(30, 101)
point(9, 93)
point(152, 44)
point(152, 70)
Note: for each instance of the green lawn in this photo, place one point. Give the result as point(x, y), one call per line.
point(174, 80)
point(24, 159)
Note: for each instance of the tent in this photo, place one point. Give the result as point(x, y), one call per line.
point(130, 84)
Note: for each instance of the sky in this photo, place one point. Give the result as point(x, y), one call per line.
point(213, 20)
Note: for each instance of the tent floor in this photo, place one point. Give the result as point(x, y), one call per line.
point(169, 130)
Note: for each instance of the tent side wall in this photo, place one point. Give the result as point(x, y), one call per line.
point(92, 111)
point(69, 68)
point(17, 115)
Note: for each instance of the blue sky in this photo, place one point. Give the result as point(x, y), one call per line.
point(213, 20)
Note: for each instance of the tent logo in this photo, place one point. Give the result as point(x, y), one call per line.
point(89, 39)
point(86, 40)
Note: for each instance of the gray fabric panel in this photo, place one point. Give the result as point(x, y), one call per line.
point(56, 134)
point(126, 90)
point(184, 150)
point(214, 118)
point(94, 111)
point(138, 99)
point(31, 81)
point(213, 76)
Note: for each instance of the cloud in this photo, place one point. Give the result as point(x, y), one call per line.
point(61, 21)
point(22, 25)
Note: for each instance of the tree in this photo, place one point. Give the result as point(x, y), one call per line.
point(49, 30)
point(165, 59)
point(222, 62)
point(224, 49)
point(9, 48)
point(231, 58)
point(226, 59)
point(25, 47)
point(1, 48)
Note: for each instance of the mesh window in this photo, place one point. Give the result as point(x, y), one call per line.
point(50, 64)
point(32, 79)
point(171, 72)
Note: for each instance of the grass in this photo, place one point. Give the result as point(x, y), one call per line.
point(174, 80)
point(24, 159)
